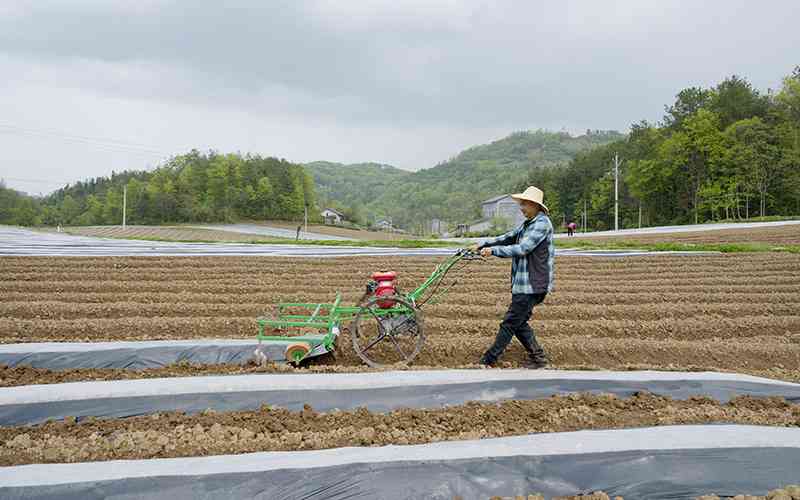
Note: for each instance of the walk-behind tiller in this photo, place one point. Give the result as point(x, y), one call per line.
point(386, 328)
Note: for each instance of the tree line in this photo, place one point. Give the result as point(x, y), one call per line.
point(728, 152)
point(194, 187)
point(719, 153)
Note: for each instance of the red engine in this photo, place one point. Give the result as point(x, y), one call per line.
point(385, 286)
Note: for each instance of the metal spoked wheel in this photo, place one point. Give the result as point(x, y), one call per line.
point(384, 337)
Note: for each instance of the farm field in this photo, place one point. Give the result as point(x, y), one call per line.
point(275, 429)
point(737, 312)
point(788, 234)
point(358, 234)
point(171, 233)
point(219, 234)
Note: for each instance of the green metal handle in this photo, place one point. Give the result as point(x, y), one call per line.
point(438, 273)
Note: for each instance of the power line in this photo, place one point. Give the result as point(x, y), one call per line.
point(39, 181)
point(80, 136)
point(102, 144)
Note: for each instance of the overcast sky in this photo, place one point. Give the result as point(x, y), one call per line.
point(91, 86)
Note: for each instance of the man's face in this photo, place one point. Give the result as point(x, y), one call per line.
point(529, 208)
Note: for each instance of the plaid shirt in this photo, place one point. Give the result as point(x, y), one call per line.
point(520, 243)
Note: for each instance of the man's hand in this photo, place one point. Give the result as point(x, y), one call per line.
point(485, 251)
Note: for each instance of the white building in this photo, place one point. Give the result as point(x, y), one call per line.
point(331, 216)
point(503, 206)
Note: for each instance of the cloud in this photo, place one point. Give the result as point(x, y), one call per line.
point(388, 67)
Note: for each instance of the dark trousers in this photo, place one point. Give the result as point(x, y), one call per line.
point(515, 324)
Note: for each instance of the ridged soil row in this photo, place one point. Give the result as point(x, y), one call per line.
point(270, 429)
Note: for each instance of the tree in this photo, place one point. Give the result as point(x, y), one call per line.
point(646, 181)
point(161, 192)
point(69, 210)
point(137, 202)
point(112, 208)
point(788, 99)
point(601, 202)
point(695, 149)
point(217, 188)
point(7, 204)
point(688, 102)
point(264, 196)
point(93, 215)
point(755, 151)
point(18, 208)
point(735, 99)
point(308, 190)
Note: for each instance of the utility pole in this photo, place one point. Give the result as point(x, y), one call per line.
point(616, 192)
point(124, 204)
point(585, 217)
point(305, 218)
point(747, 206)
point(640, 215)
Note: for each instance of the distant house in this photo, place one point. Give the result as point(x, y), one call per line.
point(479, 226)
point(331, 216)
point(383, 225)
point(502, 206)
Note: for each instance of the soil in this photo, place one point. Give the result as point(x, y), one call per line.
point(736, 312)
point(178, 233)
point(728, 312)
point(789, 492)
point(268, 429)
point(164, 232)
point(780, 235)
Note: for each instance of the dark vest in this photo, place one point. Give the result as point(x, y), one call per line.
point(538, 270)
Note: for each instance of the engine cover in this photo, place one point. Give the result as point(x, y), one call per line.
point(385, 286)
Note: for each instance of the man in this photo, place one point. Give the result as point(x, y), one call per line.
point(531, 248)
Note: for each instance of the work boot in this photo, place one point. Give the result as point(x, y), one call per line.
point(487, 361)
point(534, 363)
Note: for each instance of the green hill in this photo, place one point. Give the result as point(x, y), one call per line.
point(354, 184)
point(452, 190)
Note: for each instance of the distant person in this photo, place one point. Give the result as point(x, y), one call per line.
point(531, 247)
point(297, 238)
point(571, 228)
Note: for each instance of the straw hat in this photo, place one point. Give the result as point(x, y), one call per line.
point(533, 194)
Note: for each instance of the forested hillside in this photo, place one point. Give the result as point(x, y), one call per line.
point(195, 187)
point(726, 152)
point(18, 208)
point(350, 188)
point(452, 190)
